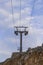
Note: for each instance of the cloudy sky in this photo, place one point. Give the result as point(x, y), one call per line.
point(31, 16)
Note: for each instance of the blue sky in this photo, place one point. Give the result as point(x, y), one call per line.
point(9, 42)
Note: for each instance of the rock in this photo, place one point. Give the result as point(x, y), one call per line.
point(33, 56)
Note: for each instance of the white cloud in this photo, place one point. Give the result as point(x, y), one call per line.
point(4, 48)
point(38, 42)
point(15, 3)
point(12, 39)
point(26, 10)
point(35, 31)
point(5, 52)
point(24, 22)
point(8, 20)
point(4, 12)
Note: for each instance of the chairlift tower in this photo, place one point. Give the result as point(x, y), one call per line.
point(21, 30)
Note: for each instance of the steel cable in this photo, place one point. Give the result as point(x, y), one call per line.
point(12, 11)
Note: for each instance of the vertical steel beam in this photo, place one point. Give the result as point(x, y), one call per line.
point(20, 42)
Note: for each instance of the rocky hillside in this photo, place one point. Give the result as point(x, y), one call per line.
point(32, 56)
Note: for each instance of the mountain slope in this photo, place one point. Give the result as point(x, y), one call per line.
point(32, 56)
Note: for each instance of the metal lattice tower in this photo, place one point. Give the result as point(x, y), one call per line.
point(21, 32)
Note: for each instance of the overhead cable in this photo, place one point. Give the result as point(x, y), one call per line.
point(12, 11)
point(33, 7)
